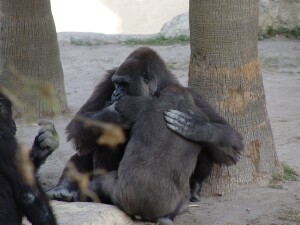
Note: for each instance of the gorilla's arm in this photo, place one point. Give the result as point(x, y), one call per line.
point(220, 143)
point(84, 139)
point(21, 197)
point(123, 112)
point(198, 130)
point(75, 130)
point(223, 141)
point(67, 189)
point(44, 143)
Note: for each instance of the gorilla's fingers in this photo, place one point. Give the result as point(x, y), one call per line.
point(48, 138)
point(50, 144)
point(62, 194)
point(177, 120)
point(44, 144)
point(42, 155)
point(179, 128)
point(44, 135)
point(173, 122)
point(179, 114)
point(47, 128)
point(47, 125)
point(113, 107)
point(172, 127)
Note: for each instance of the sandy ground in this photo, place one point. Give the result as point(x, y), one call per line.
point(280, 59)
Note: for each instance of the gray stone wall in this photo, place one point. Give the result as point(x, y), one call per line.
point(272, 13)
point(279, 14)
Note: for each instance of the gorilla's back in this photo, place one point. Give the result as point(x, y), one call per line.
point(160, 162)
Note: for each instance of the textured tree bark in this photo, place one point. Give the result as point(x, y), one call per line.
point(224, 66)
point(30, 66)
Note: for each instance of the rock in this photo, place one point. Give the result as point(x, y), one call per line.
point(272, 13)
point(178, 26)
point(279, 14)
point(289, 13)
point(86, 213)
point(267, 15)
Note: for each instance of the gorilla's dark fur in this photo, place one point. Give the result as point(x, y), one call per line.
point(152, 181)
point(16, 197)
point(144, 74)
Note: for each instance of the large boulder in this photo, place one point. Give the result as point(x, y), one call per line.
point(86, 213)
point(272, 13)
point(279, 14)
point(178, 26)
point(268, 13)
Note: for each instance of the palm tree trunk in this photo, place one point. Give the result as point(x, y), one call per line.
point(224, 66)
point(29, 55)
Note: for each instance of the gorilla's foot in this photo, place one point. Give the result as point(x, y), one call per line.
point(195, 192)
point(195, 198)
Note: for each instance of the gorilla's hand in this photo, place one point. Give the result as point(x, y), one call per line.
point(109, 115)
point(113, 107)
point(45, 143)
point(192, 127)
point(47, 136)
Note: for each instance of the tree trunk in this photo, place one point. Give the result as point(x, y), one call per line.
point(30, 66)
point(224, 66)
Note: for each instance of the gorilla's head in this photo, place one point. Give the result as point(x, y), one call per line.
point(143, 73)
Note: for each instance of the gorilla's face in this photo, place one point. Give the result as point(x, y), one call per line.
point(134, 78)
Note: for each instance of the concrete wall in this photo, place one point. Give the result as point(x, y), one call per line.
point(148, 16)
point(279, 14)
point(115, 16)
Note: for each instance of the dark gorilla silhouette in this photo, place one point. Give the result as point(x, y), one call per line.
point(144, 73)
point(17, 198)
point(152, 181)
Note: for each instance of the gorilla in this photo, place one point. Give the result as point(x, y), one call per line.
point(144, 74)
point(152, 181)
point(18, 198)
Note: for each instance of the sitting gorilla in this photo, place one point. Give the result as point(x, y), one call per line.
point(144, 73)
point(152, 181)
point(17, 197)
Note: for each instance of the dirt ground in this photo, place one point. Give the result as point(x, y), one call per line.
point(280, 59)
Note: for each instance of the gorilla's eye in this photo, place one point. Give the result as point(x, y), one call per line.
point(122, 85)
point(146, 77)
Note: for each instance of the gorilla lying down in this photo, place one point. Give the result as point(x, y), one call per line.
point(163, 164)
point(18, 197)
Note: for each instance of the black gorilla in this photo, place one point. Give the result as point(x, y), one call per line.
point(17, 198)
point(152, 181)
point(144, 73)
